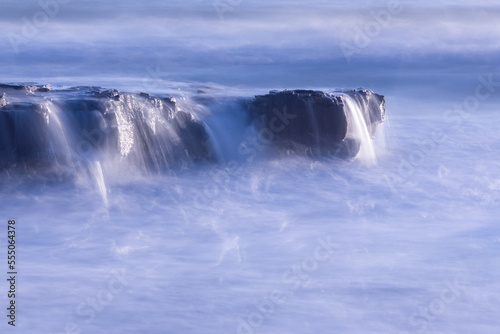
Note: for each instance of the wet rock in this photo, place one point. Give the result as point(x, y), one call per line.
point(194, 137)
point(24, 135)
point(316, 121)
point(311, 118)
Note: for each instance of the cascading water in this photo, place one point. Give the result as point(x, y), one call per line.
point(97, 174)
point(227, 124)
point(358, 129)
point(58, 139)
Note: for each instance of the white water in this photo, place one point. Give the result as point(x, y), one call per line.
point(57, 135)
point(359, 130)
point(96, 172)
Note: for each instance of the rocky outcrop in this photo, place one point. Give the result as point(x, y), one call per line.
point(44, 127)
point(24, 135)
point(316, 121)
point(91, 123)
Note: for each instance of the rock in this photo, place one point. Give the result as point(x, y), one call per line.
point(316, 121)
point(24, 136)
point(310, 118)
point(149, 133)
point(348, 148)
point(13, 87)
point(194, 137)
point(86, 123)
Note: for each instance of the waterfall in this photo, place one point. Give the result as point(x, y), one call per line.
point(358, 129)
point(59, 146)
point(98, 176)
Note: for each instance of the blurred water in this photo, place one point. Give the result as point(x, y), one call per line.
point(204, 252)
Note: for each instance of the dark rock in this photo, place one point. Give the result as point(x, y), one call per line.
point(348, 148)
point(194, 137)
point(311, 118)
point(85, 123)
point(24, 134)
point(55, 128)
point(4, 87)
point(315, 121)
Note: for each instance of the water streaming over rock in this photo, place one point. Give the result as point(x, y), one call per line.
point(358, 129)
point(105, 133)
